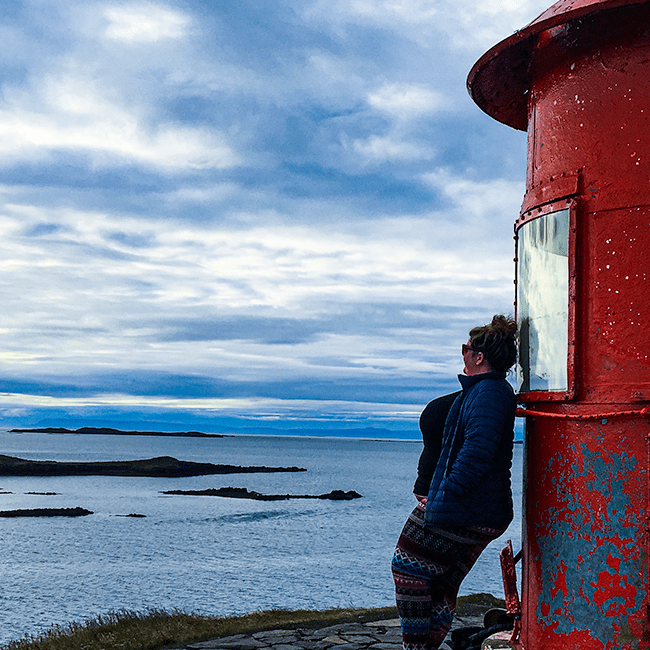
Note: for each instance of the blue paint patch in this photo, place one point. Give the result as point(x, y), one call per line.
point(579, 554)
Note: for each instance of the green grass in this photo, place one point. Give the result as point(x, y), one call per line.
point(154, 630)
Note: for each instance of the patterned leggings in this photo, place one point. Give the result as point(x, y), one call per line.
point(428, 566)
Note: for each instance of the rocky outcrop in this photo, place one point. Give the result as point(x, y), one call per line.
point(164, 466)
point(243, 493)
point(47, 512)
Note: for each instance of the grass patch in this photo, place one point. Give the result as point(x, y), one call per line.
point(156, 629)
point(153, 630)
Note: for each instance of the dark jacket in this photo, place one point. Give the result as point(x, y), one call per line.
point(432, 426)
point(471, 483)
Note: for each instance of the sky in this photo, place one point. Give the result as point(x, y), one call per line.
point(248, 216)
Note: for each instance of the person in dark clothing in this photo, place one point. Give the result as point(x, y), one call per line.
point(468, 500)
point(432, 424)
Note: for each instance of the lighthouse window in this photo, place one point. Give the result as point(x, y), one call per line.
point(543, 302)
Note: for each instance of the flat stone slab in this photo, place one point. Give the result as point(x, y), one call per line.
point(277, 636)
point(376, 635)
point(362, 639)
point(247, 643)
point(339, 629)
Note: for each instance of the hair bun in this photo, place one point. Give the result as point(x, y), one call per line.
point(504, 326)
point(497, 341)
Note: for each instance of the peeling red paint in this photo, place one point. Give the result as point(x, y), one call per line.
point(586, 563)
point(577, 79)
point(614, 594)
point(559, 584)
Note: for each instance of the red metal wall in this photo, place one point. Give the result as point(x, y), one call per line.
point(585, 571)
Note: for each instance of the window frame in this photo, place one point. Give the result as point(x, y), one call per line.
point(526, 217)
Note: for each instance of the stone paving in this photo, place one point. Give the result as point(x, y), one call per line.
point(376, 635)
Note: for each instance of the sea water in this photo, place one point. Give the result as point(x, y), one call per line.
point(211, 555)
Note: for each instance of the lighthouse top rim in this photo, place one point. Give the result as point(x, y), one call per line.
point(499, 81)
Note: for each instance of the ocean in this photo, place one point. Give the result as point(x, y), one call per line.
point(211, 555)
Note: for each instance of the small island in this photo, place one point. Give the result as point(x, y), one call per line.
point(243, 493)
point(106, 431)
point(163, 466)
point(47, 512)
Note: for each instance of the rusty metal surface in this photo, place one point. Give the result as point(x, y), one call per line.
point(513, 604)
point(499, 82)
point(577, 80)
point(586, 571)
point(591, 113)
point(551, 190)
point(598, 415)
point(509, 574)
point(585, 582)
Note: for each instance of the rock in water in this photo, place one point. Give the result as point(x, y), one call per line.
point(243, 493)
point(47, 512)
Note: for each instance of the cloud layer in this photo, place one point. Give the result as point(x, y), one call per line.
point(230, 212)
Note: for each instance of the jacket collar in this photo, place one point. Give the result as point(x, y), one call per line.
point(467, 382)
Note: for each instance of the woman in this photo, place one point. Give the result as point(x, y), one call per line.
point(469, 499)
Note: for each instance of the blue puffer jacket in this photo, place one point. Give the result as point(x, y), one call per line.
point(471, 483)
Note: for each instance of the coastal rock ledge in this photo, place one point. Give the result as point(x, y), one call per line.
point(163, 466)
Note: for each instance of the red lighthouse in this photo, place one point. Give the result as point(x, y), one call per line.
point(577, 79)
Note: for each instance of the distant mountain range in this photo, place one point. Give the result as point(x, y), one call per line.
point(106, 431)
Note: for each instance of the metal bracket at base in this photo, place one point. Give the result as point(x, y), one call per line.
point(513, 604)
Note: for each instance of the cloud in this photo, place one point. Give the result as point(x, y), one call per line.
point(291, 207)
point(378, 149)
point(478, 203)
point(405, 100)
point(314, 295)
point(75, 116)
point(144, 23)
point(404, 104)
point(465, 24)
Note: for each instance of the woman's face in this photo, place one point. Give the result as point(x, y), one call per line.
point(475, 362)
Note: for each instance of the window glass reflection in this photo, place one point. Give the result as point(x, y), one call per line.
point(543, 302)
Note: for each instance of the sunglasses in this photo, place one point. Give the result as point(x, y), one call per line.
point(467, 348)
